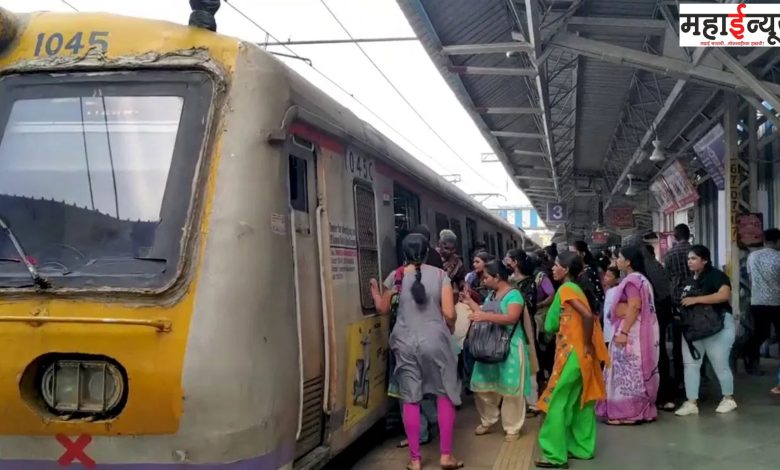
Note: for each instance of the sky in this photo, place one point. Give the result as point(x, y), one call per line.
point(358, 84)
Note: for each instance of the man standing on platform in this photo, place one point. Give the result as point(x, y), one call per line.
point(763, 266)
point(676, 266)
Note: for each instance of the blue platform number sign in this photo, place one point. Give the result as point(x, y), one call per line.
point(556, 212)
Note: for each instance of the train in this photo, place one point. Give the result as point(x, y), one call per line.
point(218, 315)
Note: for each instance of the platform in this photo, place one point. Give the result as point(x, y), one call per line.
point(744, 439)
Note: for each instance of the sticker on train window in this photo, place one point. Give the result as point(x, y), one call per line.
point(52, 44)
point(360, 166)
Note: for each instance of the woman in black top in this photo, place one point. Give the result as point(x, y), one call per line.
point(590, 276)
point(709, 286)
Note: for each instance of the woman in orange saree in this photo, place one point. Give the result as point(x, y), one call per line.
point(577, 383)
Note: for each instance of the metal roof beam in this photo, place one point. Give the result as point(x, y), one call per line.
point(493, 48)
point(518, 135)
point(758, 87)
point(641, 27)
point(535, 38)
point(530, 153)
point(499, 110)
point(510, 71)
point(658, 64)
point(671, 100)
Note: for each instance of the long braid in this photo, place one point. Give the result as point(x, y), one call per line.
point(418, 289)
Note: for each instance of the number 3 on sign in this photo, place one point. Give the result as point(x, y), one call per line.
point(55, 43)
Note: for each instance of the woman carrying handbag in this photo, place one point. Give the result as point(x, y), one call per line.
point(505, 383)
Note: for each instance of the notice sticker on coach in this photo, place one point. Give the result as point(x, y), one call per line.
point(729, 25)
point(278, 224)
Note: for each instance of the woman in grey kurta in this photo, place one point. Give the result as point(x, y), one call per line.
point(420, 341)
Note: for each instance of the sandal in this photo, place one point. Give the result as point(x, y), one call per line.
point(547, 464)
point(511, 437)
point(455, 464)
point(481, 430)
point(668, 406)
point(411, 465)
point(617, 422)
point(775, 390)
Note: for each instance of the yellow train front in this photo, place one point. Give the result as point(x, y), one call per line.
point(146, 320)
point(188, 230)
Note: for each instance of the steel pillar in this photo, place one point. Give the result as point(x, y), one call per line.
point(737, 201)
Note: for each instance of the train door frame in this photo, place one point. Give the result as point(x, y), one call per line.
point(304, 208)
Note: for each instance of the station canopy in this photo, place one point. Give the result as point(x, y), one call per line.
point(572, 94)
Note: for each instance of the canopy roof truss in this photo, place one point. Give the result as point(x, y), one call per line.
point(571, 94)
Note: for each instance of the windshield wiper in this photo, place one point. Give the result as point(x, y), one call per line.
point(37, 279)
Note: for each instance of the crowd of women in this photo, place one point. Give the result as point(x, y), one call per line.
point(580, 336)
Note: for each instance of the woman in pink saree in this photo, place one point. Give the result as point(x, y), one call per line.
point(632, 380)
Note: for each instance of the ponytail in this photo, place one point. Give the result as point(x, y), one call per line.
point(418, 289)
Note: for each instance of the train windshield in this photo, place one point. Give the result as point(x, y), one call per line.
point(96, 175)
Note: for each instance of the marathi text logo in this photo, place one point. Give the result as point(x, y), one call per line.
point(740, 25)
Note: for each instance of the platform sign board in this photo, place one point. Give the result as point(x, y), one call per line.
point(711, 150)
point(750, 230)
point(620, 217)
point(680, 185)
point(556, 212)
point(663, 195)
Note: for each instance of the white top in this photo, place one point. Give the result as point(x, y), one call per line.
point(609, 300)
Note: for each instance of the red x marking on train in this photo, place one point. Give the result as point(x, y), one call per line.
point(74, 450)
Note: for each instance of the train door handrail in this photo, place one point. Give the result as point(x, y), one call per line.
point(297, 286)
point(319, 212)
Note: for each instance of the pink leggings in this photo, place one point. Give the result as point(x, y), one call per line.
point(411, 415)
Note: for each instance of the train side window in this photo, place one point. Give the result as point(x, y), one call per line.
point(368, 251)
point(455, 227)
point(493, 247)
point(299, 193)
point(442, 222)
point(471, 235)
point(499, 244)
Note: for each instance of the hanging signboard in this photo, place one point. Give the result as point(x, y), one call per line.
point(711, 150)
point(620, 217)
point(556, 212)
point(679, 184)
point(663, 195)
point(750, 230)
point(600, 238)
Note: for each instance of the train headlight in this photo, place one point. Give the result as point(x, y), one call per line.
point(8, 28)
point(82, 386)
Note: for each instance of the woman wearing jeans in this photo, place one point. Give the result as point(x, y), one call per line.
point(716, 289)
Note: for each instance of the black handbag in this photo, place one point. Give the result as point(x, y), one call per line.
point(489, 342)
point(699, 321)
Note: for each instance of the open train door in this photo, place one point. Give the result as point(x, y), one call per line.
point(302, 170)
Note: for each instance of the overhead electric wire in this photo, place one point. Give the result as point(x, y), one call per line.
point(330, 80)
point(408, 103)
point(71, 6)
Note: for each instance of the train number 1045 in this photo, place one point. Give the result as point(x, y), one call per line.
point(56, 43)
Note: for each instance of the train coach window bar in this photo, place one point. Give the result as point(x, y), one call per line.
point(367, 250)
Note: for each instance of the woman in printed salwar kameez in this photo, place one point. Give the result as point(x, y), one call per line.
point(576, 384)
